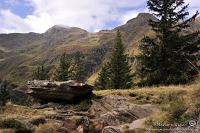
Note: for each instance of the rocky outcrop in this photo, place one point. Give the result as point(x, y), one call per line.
point(58, 91)
point(116, 112)
point(110, 114)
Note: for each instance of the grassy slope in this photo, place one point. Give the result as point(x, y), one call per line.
point(178, 104)
point(155, 95)
point(152, 95)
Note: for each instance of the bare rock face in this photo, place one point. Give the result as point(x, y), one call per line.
point(57, 91)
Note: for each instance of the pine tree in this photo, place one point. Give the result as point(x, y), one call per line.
point(102, 81)
point(77, 67)
point(171, 57)
point(63, 71)
point(116, 74)
point(40, 73)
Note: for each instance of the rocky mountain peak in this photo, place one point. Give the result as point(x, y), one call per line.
point(63, 29)
point(57, 28)
point(142, 17)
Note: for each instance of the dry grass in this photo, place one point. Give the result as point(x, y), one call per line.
point(18, 112)
point(47, 128)
point(146, 90)
point(178, 104)
point(23, 113)
point(155, 95)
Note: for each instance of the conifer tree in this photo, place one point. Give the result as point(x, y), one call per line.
point(63, 71)
point(120, 70)
point(102, 81)
point(77, 67)
point(40, 73)
point(171, 57)
point(117, 73)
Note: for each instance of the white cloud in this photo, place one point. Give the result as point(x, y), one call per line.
point(91, 15)
point(194, 5)
point(132, 14)
point(86, 14)
point(39, 23)
point(9, 22)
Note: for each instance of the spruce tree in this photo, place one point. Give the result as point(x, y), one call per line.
point(120, 70)
point(172, 56)
point(40, 73)
point(117, 73)
point(63, 71)
point(102, 81)
point(77, 67)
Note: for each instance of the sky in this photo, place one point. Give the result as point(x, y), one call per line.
point(23, 16)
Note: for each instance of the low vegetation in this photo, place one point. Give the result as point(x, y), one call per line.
point(4, 92)
point(178, 104)
point(16, 125)
point(37, 121)
point(47, 128)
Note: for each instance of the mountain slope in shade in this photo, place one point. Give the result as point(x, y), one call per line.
point(21, 53)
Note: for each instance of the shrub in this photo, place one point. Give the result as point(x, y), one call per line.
point(55, 117)
point(38, 121)
point(11, 123)
point(20, 98)
point(4, 92)
point(83, 105)
point(47, 128)
point(177, 110)
point(194, 110)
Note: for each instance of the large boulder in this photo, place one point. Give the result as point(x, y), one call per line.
point(58, 91)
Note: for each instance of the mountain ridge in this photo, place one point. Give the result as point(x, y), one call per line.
point(21, 53)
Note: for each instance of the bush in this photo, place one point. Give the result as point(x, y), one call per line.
point(172, 113)
point(11, 123)
point(177, 110)
point(4, 92)
point(20, 98)
point(38, 121)
point(8, 92)
point(194, 110)
point(55, 117)
point(83, 105)
point(47, 128)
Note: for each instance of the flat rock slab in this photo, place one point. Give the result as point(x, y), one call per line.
point(58, 91)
